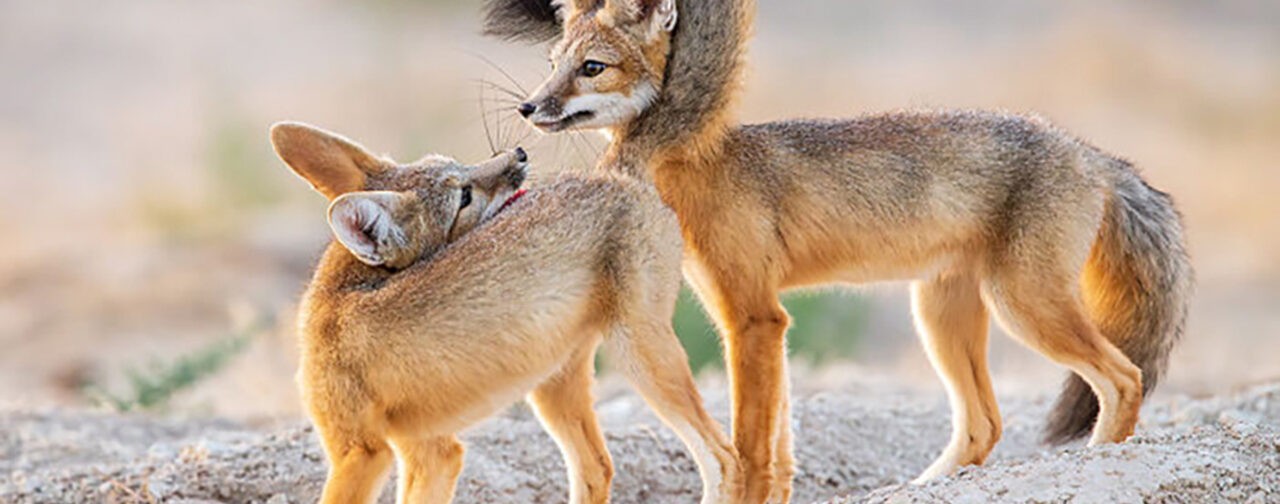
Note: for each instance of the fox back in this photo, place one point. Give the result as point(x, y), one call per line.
point(445, 279)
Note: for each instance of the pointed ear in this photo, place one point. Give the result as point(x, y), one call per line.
point(569, 9)
point(657, 15)
point(332, 164)
point(364, 223)
point(664, 15)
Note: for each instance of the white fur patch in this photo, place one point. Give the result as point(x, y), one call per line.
point(667, 15)
point(610, 109)
point(1108, 401)
point(708, 465)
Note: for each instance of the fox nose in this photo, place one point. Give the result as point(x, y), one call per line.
point(526, 109)
point(521, 155)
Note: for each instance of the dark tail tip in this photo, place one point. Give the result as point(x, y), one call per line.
point(1074, 414)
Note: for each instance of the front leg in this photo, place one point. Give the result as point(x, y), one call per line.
point(784, 465)
point(756, 353)
point(755, 326)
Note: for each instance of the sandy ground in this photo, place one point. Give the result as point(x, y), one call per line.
point(858, 444)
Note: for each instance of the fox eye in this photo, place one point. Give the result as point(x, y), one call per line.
point(466, 197)
point(593, 68)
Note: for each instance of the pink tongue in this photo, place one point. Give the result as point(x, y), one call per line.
point(512, 199)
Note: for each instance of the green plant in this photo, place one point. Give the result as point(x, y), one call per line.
point(154, 388)
point(824, 326)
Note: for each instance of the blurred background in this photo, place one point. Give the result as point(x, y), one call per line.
point(155, 247)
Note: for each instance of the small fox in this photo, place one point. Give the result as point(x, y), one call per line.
point(450, 291)
point(988, 214)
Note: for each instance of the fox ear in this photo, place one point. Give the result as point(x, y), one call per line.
point(658, 15)
point(332, 164)
point(364, 223)
point(663, 14)
point(571, 8)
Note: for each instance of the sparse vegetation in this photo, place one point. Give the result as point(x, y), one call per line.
point(825, 325)
point(152, 388)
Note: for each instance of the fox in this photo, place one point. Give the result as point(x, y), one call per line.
point(450, 291)
point(986, 214)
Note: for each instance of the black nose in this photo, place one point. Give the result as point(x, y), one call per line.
point(521, 155)
point(526, 109)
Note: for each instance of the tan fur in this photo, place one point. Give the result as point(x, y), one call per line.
point(396, 359)
point(986, 213)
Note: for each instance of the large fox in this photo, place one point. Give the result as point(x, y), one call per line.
point(449, 292)
point(987, 214)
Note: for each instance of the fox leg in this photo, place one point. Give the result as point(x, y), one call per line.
point(429, 469)
point(653, 361)
point(564, 405)
point(358, 465)
point(755, 350)
point(784, 468)
point(952, 323)
point(1045, 312)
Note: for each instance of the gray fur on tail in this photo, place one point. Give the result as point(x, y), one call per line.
point(532, 21)
point(1138, 283)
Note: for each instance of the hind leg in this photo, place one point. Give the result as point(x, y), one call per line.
point(952, 324)
point(1044, 311)
point(359, 462)
point(653, 361)
point(565, 407)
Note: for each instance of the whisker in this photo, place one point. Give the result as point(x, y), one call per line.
point(506, 105)
point(500, 124)
point(497, 108)
point(484, 118)
point(500, 88)
point(576, 142)
point(514, 128)
point(500, 70)
point(505, 102)
point(559, 148)
point(528, 131)
point(593, 150)
point(501, 116)
point(493, 107)
point(520, 131)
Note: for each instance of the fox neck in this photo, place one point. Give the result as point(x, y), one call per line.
point(339, 271)
point(688, 123)
point(642, 157)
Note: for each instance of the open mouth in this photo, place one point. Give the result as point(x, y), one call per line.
point(565, 122)
point(511, 199)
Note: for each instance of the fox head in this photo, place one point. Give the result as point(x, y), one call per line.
point(607, 68)
point(389, 214)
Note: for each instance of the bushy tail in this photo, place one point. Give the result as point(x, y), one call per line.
point(1136, 286)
